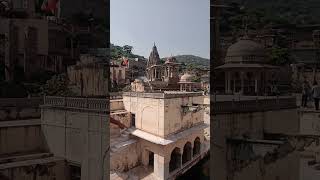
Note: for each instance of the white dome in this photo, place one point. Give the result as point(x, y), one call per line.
point(246, 50)
point(186, 77)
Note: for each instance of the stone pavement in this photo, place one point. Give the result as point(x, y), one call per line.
point(138, 173)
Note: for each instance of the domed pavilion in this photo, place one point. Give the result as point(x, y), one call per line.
point(246, 69)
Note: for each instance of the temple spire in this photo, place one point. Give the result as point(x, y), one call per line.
point(154, 57)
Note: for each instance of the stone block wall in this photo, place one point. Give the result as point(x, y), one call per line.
point(21, 139)
point(126, 159)
point(81, 137)
point(48, 170)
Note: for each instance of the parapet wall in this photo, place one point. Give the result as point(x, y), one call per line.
point(19, 108)
point(20, 127)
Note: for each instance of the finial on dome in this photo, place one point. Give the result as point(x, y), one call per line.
point(245, 24)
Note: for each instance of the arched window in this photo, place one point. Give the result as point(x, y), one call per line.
point(187, 153)
point(196, 146)
point(175, 161)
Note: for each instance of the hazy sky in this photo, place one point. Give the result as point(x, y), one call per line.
point(176, 26)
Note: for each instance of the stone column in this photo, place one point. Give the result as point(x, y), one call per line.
point(314, 71)
point(145, 156)
point(242, 82)
point(161, 166)
point(229, 83)
point(256, 85)
point(226, 82)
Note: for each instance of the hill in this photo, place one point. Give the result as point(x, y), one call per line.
point(192, 60)
point(264, 12)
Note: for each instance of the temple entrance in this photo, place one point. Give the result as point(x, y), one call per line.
point(175, 161)
point(196, 147)
point(187, 153)
point(151, 159)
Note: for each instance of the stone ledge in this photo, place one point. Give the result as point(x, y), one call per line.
point(17, 123)
point(163, 95)
point(171, 138)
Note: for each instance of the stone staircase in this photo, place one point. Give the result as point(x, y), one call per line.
point(121, 142)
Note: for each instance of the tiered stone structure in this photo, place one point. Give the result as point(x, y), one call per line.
point(162, 76)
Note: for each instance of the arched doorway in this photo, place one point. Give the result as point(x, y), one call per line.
point(151, 159)
point(175, 161)
point(187, 153)
point(196, 147)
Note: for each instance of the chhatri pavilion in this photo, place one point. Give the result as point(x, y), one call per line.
point(246, 69)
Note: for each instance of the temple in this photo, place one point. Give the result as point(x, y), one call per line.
point(164, 76)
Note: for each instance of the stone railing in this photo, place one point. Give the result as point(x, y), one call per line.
point(115, 95)
point(256, 105)
point(20, 102)
point(162, 95)
point(98, 104)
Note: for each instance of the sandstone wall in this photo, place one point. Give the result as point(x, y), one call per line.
point(21, 137)
point(126, 159)
point(55, 170)
point(81, 137)
point(283, 169)
point(163, 117)
point(94, 79)
point(237, 124)
point(116, 105)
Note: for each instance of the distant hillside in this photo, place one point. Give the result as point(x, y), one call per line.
point(192, 60)
point(263, 12)
point(187, 60)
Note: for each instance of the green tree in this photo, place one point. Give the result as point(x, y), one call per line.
point(280, 56)
point(57, 86)
point(127, 49)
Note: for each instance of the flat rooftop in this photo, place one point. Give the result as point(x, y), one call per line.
point(223, 98)
point(163, 94)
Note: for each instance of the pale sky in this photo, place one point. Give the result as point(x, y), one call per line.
point(176, 26)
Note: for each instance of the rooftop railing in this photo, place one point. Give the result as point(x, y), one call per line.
point(254, 105)
point(100, 104)
point(21, 102)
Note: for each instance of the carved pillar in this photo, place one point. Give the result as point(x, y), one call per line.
point(226, 82)
point(242, 82)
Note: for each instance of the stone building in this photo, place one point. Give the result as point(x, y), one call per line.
point(186, 83)
point(165, 76)
point(78, 133)
point(89, 77)
point(118, 75)
point(37, 42)
point(24, 153)
point(165, 130)
point(35, 45)
point(162, 76)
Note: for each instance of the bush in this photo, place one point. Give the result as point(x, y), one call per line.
point(57, 86)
